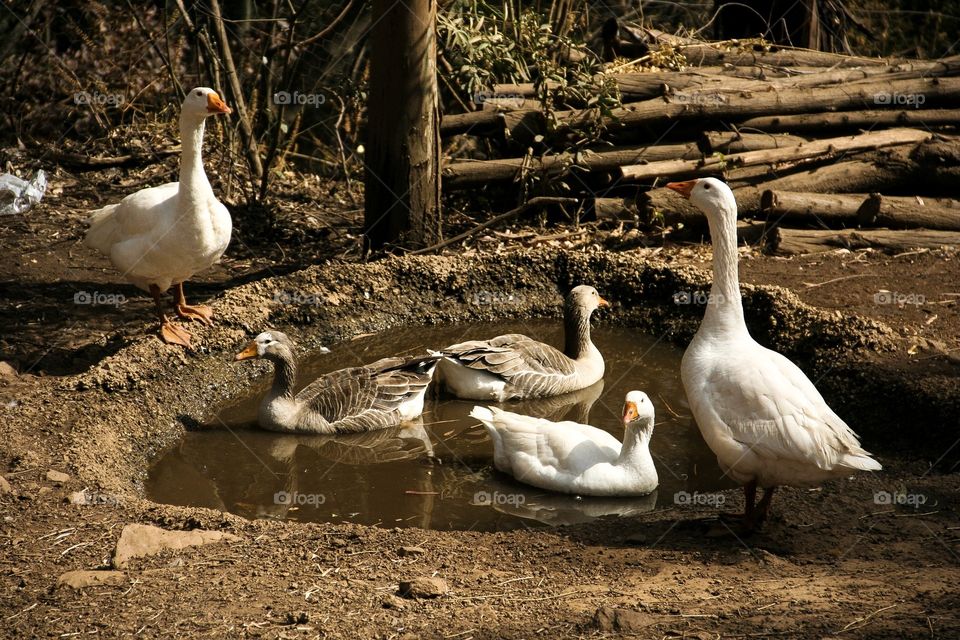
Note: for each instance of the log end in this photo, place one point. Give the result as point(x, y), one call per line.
point(869, 211)
point(768, 201)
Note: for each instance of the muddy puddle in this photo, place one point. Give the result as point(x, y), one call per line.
point(438, 473)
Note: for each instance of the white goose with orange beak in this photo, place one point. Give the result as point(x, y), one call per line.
point(757, 411)
point(569, 457)
point(160, 237)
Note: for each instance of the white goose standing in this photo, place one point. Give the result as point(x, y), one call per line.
point(758, 412)
point(161, 236)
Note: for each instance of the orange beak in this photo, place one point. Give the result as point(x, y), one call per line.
point(603, 303)
point(629, 412)
point(249, 352)
point(216, 105)
point(683, 188)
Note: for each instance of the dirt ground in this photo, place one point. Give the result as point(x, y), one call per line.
point(97, 397)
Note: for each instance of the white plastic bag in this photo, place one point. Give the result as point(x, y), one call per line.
point(18, 196)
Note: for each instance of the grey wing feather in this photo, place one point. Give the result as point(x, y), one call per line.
point(521, 361)
point(365, 398)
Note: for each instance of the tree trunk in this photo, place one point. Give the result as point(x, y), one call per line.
point(888, 169)
point(473, 173)
point(863, 209)
point(708, 107)
point(807, 151)
point(850, 120)
point(402, 184)
point(941, 214)
point(828, 209)
point(798, 241)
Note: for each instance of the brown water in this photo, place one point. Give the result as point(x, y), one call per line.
point(437, 474)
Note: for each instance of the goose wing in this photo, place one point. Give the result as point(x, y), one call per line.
point(769, 405)
point(139, 214)
point(532, 444)
point(365, 398)
point(514, 357)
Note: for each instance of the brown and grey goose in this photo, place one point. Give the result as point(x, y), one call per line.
point(514, 366)
point(375, 396)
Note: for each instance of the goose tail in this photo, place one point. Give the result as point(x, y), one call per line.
point(102, 226)
point(861, 462)
point(425, 365)
point(483, 414)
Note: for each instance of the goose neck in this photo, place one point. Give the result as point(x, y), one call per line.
point(193, 179)
point(636, 445)
point(724, 306)
point(576, 320)
point(284, 373)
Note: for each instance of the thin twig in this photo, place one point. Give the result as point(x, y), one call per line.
point(529, 204)
point(253, 154)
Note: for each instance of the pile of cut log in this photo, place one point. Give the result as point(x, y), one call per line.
point(822, 150)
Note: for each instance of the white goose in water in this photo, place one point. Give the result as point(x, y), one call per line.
point(161, 236)
point(758, 412)
point(575, 458)
point(356, 399)
point(514, 366)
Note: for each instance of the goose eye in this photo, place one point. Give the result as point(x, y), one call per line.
point(199, 93)
point(706, 187)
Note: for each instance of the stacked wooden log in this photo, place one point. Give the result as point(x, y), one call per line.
point(826, 150)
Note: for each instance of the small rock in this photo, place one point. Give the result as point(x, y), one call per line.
point(7, 370)
point(391, 601)
point(423, 587)
point(88, 497)
point(411, 551)
point(138, 540)
point(57, 476)
point(81, 579)
point(44, 490)
point(613, 619)
point(5, 486)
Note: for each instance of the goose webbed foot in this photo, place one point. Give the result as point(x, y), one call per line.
point(199, 312)
point(174, 334)
point(170, 333)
